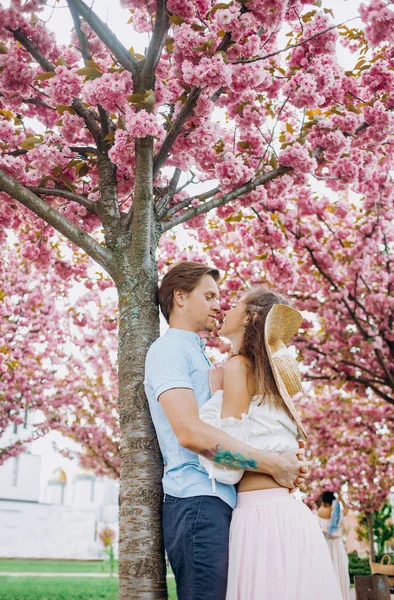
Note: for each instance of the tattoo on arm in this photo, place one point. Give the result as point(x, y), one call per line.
point(230, 459)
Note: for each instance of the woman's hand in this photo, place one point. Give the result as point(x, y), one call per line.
point(215, 379)
point(291, 468)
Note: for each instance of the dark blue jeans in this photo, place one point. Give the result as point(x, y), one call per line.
point(196, 532)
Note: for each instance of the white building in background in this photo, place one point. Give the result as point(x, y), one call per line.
point(51, 508)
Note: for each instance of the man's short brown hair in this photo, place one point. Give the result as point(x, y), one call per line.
point(183, 276)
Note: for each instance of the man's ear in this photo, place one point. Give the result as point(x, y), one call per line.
point(179, 297)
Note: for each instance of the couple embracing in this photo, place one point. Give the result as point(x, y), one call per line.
point(237, 426)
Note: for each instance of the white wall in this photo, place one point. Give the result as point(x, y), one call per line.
point(20, 478)
point(49, 531)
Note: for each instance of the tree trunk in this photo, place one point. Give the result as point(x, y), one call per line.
point(372, 555)
point(142, 571)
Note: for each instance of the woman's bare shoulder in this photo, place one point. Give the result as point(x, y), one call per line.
point(324, 512)
point(237, 364)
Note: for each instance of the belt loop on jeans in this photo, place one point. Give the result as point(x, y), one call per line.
point(164, 498)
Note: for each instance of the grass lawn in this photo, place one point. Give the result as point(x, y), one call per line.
point(62, 588)
point(54, 566)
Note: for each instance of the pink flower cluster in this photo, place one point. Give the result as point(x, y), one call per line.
point(141, 123)
point(232, 171)
point(210, 71)
point(298, 158)
point(17, 75)
point(64, 86)
point(379, 18)
point(110, 90)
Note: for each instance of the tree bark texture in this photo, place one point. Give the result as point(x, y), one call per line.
point(369, 517)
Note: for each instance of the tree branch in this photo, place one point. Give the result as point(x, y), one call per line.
point(359, 380)
point(81, 150)
point(83, 40)
point(77, 105)
point(32, 49)
point(250, 60)
point(159, 35)
point(220, 200)
point(67, 194)
point(185, 203)
point(168, 196)
point(125, 58)
point(175, 130)
point(42, 209)
point(186, 110)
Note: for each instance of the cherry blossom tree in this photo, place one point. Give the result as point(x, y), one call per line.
point(351, 440)
point(56, 363)
point(104, 145)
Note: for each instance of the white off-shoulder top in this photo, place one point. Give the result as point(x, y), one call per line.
point(265, 426)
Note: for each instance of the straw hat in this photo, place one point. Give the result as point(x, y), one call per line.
point(281, 324)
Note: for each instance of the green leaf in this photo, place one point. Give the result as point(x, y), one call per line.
point(220, 6)
point(89, 70)
point(62, 108)
point(308, 16)
point(31, 141)
point(176, 20)
point(45, 76)
point(134, 53)
point(134, 98)
point(110, 137)
point(67, 183)
point(82, 169)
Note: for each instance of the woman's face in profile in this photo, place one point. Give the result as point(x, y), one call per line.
point(235, 319)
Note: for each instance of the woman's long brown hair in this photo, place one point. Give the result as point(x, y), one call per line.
point(258, 304)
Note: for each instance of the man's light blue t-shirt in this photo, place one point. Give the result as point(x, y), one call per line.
point(178, 360)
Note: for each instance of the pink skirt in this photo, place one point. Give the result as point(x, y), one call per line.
point(277, 550)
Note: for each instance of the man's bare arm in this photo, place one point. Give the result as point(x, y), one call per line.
point(181, 409)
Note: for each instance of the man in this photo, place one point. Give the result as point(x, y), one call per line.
point(196, 520)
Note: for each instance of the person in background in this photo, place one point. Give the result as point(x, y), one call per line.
point(329, 515)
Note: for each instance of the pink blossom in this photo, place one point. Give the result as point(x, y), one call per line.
point(64, 86)
point(209, 71)
point(297, 157)
point(110, 90)
point(232, 171)
point(379, 18)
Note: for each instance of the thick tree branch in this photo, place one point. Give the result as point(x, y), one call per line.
point(89, 118)
point(81, 150)
point(32, 49)
point(67, 194)
point(77, 105)
point(185, 203)
point(125, 58)
point(83, 40)
point(169, 194)
point(175, 130)
point(42, 209)
point(155, 48)
point(220, 200)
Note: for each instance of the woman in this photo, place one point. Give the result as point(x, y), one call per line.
point(277, 551)
point(329, 517)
